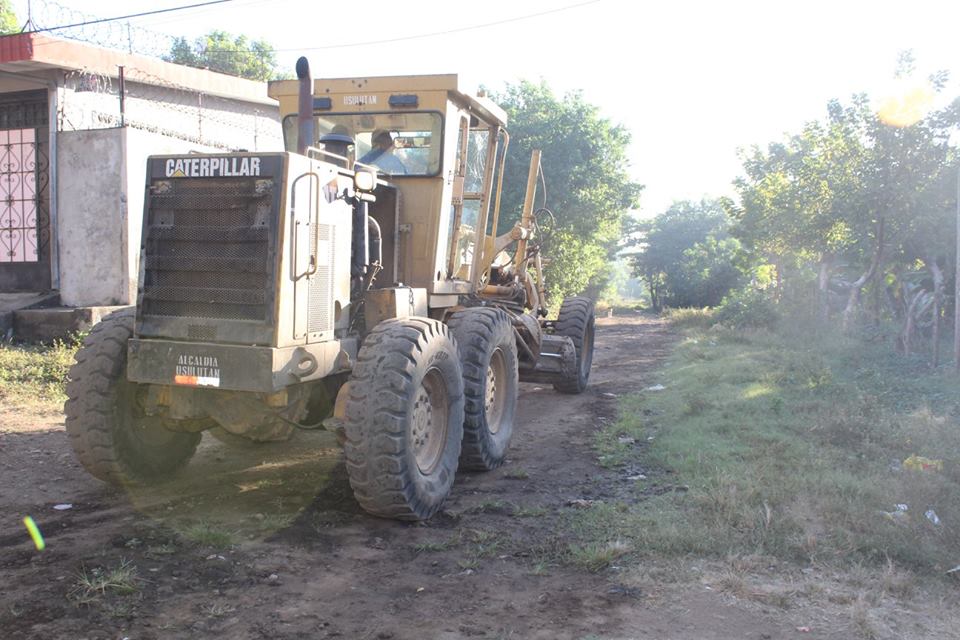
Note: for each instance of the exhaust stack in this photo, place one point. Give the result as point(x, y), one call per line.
point(305, 131)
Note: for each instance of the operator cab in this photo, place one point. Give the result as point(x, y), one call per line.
point(439, 152)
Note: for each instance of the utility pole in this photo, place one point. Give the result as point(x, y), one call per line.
point(956, 289)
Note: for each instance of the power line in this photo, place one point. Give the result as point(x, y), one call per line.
point(132, 15)
point(324, 47)
point(447, 31)
point(419, 36)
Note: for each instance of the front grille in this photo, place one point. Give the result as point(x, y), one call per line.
point(207, 250)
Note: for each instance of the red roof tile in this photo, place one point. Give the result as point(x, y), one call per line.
point(16, 47)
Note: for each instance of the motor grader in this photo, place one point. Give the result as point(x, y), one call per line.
point(324, 287)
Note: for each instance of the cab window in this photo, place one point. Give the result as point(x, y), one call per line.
point(397, 144)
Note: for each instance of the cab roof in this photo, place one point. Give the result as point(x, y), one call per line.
point(484, 107)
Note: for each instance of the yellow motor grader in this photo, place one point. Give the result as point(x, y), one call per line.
point(358, 282)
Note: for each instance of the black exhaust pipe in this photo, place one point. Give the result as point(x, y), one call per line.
point(305, 131)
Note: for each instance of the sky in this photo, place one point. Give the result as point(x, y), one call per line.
point(693, 81)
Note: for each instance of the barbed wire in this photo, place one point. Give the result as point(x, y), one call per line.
point(124, 36)
point(158, 105)
point(81, 81)
point(129, 16)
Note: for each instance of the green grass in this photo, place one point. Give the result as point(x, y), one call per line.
point(91, 585)
point(209, 534)
point(35, 373)
point(597, 556)
point(690, 318)
point(434, 546)
point(530, 512)
point(784, 446)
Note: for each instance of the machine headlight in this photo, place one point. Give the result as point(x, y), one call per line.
point(365, 180)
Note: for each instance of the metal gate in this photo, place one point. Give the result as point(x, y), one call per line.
point(25, 245)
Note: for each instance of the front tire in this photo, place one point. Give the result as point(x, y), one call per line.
point(111, 436)
point(576, 321)
point(404, 419)
point(488, 354)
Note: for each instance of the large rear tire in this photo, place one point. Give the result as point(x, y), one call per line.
point(111, 436)
point(576, 322)
point(488, 354)
point(404, 419)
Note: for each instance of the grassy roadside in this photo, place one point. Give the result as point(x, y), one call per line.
point(35, 375)
point(787, 446)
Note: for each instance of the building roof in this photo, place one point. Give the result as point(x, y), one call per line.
point(26, 53)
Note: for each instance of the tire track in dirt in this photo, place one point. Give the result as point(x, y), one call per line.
point(307, 562)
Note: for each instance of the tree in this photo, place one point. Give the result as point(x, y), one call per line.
point(585, 170)
point(868, 198)
point(688, 258)
point(799, 198)
point(225, 53)
point(8, 18)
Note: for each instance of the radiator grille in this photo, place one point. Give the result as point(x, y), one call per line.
point(319, 313)
point(207, 250)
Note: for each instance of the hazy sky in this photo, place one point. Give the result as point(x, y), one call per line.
point(691, 80)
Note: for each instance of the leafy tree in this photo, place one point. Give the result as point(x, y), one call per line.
point(707, 272)
point(8, 18)
point(587, 183)
point(688, 258)
point(865, 196)
point(223, 52)
point(799, 199)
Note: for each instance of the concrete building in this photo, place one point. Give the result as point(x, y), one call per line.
point(76, 125)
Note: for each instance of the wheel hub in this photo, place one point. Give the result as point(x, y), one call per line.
point(493, 400)
point(428, 422)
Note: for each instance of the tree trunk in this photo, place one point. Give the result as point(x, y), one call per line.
point(654, 294)
point(778, 275)
point(937, 303)
point(891, 303)
point(823, 284)
point(919, 302)
point(895, 295)
point(853, 300)
point(909, 319)
point(877, 304)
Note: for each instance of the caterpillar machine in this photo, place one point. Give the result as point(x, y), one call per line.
point(355, 282)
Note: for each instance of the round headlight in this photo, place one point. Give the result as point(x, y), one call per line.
point(365, 180)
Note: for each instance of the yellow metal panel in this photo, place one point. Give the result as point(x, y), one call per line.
point(432, 91)
point(375, 84)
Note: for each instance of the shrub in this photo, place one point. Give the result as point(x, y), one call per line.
point(690, 318)
point(747, 309)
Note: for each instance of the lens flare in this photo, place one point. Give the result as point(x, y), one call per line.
point(907, 106)
point(35, 534)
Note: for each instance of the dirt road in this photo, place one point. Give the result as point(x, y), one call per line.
point(267, 542)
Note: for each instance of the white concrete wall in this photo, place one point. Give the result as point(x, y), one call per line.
point(101, 190)
point(91, 218)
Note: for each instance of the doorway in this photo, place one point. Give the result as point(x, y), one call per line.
point(25, 234)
